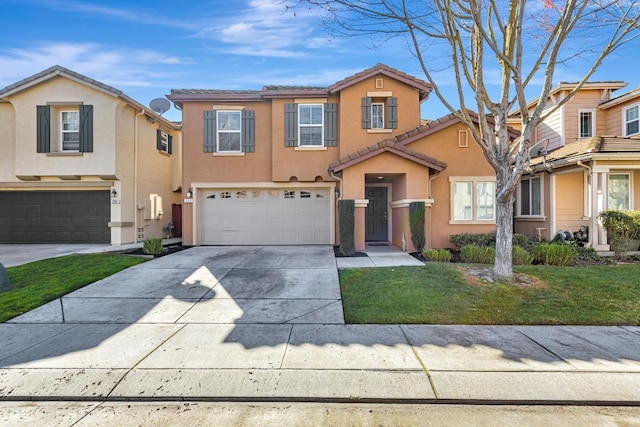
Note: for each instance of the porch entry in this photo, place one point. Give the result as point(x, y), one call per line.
point(376, 215)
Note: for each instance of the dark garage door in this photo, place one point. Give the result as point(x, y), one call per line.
point(55, 217)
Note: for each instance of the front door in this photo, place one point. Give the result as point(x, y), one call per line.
point(376, 229)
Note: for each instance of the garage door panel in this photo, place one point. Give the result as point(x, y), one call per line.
point(55, 217)
point(265, 216)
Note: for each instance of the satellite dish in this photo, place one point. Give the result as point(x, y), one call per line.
point(159, 105)
point(539, 148)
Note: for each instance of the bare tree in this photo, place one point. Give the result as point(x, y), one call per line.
point(523, 40)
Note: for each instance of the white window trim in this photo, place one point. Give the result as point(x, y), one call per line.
point(62, 131)
point(381, 105)
point(164, 142)
point(218, 131)
point(519, 214)
point(321, 125)
point(592, 111)
point(474, 180)
point(624, 119)
point(622, 172)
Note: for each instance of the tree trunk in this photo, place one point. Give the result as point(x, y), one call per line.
point(502, 268)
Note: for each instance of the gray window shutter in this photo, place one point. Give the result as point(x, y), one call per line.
point(290, 125)
point(158, 139)
point(210, 131)
point(170, 144)
point(392, 112)
point(86, 128)
point(43, 138)
point(366, 112)
point(248, 131)
point(330, 125)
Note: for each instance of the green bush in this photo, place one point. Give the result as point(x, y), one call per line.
point(553, 254)
point(521, 256)
point(486, 239)
point(416, 222)
point(437, 255)
point(622, 227)
point(477, 254)
point(347, 218)
point(152, 246)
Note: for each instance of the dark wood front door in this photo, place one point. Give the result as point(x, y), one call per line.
point(376, 229)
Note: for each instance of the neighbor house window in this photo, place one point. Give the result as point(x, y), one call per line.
point(228, 131)
point(311, 125)
point(619, 191)
point(70, 130)
point(473, 199)
point(377, 116)
point(631, 121)
point(530, 196)
point(586, 123)
point(163, 142)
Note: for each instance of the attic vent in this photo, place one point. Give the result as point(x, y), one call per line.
point(463, 138)
point(379, 83)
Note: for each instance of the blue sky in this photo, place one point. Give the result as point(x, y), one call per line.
point(146, 48)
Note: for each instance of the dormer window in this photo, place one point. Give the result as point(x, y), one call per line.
point(70, 131)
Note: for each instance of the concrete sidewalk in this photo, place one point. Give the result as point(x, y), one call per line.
point(379, 256)
point(265, 324)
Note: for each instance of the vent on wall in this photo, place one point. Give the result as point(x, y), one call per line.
point(379, 83)
point(463, 138)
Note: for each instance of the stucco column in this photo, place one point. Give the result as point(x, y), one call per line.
point(359, 223)
point(599, 202)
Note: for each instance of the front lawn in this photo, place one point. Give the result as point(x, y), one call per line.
point(440, 293)
point(37, 283)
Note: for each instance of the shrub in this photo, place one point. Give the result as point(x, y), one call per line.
point(486, 239)
point(553, 254)
point(477, 254)
point(622, 227)
point(346, 213)
point(416, 222)
point(437, 255)
point(521, 256)
point(152, 246)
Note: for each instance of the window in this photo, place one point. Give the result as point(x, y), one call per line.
point(530, 195)
point(473, 199)
point(163, 143)
point(619, 191)
point(586, 123)
point(69, 131)
point(228, 131)
point(311, 125)
point(64, 128)
point(631, 121)
point(377, 115)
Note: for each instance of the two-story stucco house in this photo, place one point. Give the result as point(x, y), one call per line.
point(83, 163)
point(267, 166)
point(586, 159)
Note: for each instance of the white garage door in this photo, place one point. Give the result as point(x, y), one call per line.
point(255, 216)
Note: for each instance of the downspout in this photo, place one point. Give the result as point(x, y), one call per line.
point(135, 175)
point(588, 198)
point(431, 178)
point(335, 207)
point(334, 176)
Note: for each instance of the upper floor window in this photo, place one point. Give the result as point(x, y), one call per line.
point(530, 197)
point(69, 131)
point(65, 128)
point(379, 113)
point(631, 121)
point(586, 123)
point(163, 142)
point(311, 125)
point(229, 131)
point(473, 199)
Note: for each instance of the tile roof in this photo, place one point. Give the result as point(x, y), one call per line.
point(55, 71)
point(424, 87)
point(284, 87)
point(386, 146)
point(212, 92)
point(598, 144)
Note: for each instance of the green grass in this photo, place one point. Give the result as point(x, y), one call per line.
point(438, 294)
point(37, 283)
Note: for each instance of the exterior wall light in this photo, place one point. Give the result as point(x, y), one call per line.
point(114, 193)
